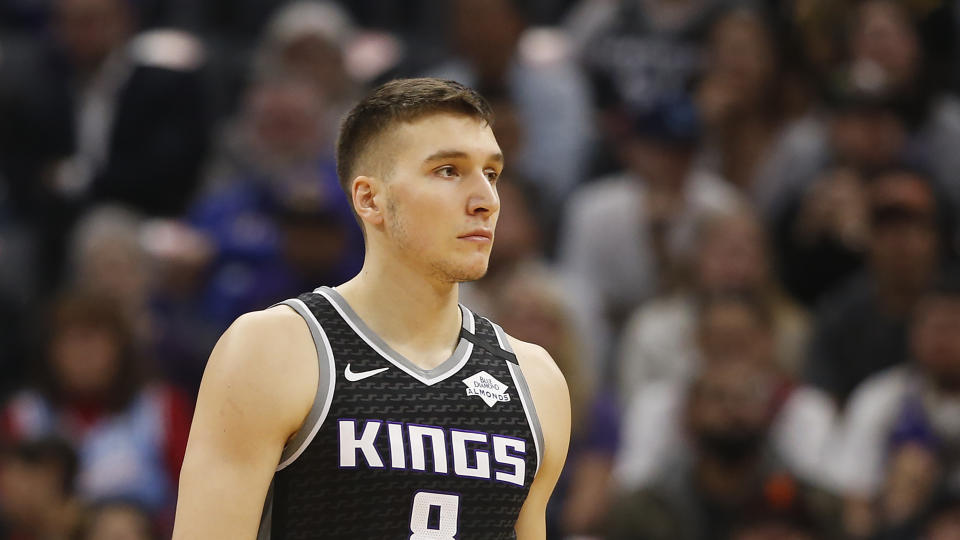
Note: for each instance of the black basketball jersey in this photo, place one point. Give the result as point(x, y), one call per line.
point(393, 451)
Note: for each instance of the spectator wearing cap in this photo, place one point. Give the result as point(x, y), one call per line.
point(626, 232)
point(861, 327)
point(900, 440)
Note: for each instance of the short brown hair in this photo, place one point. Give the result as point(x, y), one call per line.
point(401, 100)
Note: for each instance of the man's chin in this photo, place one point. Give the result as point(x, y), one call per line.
point(464, 275)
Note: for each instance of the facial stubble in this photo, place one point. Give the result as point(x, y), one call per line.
point(443, 269)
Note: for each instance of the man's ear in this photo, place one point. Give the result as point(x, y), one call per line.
point(365, 191)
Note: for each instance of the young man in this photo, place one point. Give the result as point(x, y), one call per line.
point(343, 414)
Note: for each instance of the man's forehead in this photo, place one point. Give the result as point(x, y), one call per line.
point(445, 134)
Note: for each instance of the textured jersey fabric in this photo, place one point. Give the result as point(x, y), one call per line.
point(392, 451)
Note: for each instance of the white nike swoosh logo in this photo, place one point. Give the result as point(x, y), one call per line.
point(354, 376)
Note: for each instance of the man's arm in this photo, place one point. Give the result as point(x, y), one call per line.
point(257, 389)
point(551, 399)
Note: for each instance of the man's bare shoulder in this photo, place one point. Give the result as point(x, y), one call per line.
point(257, 389)
point(266, 356)
point(272, 332)
point(536, 363)
point(273, 323)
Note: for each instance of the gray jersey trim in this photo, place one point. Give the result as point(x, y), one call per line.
point(428, 377)
point(527, 400)
point(266, 519)
point(321, 404)
point(502, 338)
point(524, 391)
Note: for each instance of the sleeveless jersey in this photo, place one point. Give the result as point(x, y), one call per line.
point(393, 451)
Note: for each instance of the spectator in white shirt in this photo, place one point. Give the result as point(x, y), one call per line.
point(626, 232)
point(731, 328)
point(901, 431)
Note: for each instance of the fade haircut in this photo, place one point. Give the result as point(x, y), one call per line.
point(400, 100)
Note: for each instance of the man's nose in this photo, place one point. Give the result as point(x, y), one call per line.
point(483, 196)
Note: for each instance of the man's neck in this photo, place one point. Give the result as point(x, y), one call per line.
point(416, 315)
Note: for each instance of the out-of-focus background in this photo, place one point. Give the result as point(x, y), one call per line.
point(733, 225)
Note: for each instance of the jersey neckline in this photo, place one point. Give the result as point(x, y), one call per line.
point(448, 367)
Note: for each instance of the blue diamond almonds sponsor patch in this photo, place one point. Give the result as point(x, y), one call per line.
point(489, 389)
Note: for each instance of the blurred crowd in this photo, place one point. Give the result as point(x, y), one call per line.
point(732, 223)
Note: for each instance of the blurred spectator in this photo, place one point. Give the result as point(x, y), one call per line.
point(278, 131)
point(37, 496)
point(643, 51)
point(626, 233)
point(888, 58)
point(533, 306)
point(130, 434)
point(822, 236)
point(181, 335)
point(309, 40)
point(101, 114)
point(818, 206)
point(153, 270)
point(704, 494)
point(118, 521)
point(861, 326)
point(499, 53)
point(278, 220)
point(885, 107)
point(747, 95)
point(637, 54)
point(730, 255)
point(107, 255)
point(901, 436)
point(730, 328)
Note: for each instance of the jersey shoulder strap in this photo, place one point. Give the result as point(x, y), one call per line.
point(489, 336)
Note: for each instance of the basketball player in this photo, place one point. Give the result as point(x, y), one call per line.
point(383, 409)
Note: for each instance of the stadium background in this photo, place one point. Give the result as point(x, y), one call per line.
point(732, 223)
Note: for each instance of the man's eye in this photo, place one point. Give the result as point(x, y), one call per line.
point(447, 172)
point(493, 176)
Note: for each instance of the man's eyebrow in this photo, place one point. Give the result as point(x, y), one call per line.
point(458, 154)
